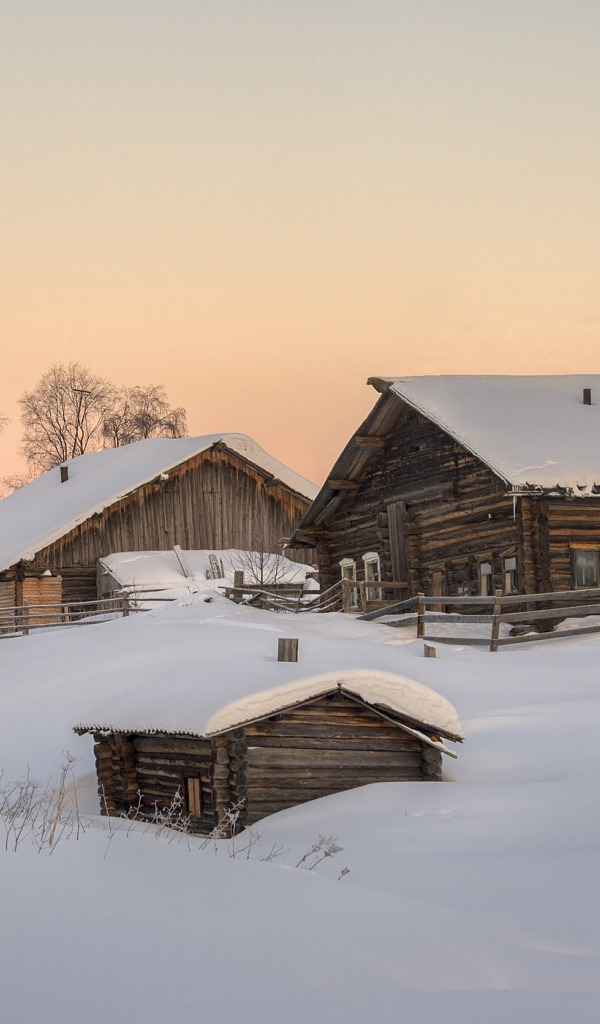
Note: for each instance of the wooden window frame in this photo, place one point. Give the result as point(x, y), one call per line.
point(350, 563)
point(510, 575)
point(588, 549)
point(372, 558)
point(489, 589)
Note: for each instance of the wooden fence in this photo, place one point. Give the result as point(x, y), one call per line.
point(20, 620)
point(541, 612)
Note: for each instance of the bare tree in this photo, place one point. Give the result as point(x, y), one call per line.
point(263, 563)
point(143, 412)
point(64, 415)
point(15, 481)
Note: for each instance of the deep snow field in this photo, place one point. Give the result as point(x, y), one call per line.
point(474, 900)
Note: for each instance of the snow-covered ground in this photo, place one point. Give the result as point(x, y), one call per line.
point(474, 900)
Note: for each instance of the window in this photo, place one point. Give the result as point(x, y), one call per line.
point(486, 579)
point(585, 567)
point(348, 571)
point(372, 575)
point(510, 576)
point(193, 793)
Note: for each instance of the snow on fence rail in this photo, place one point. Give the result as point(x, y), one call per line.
point(542, 612)
point(286, 597)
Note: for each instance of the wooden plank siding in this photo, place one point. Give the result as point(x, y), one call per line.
point(213, 500)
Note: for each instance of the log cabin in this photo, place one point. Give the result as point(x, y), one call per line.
point(208, 492)
point(266, 751)
point(466, 486)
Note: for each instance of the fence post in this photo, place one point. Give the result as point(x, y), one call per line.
point(420, 615)
point(25, 618)
point(125, 605)
point(495, 626)
point(429, 651)
point(346, 595)
point(287, 649)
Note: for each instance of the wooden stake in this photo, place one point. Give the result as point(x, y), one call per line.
point(429, 651)
point(287, 649)
point(495, 626)
point(420, 615)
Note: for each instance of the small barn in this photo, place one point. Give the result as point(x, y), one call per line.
point(211, 492)
point(466, 486)
point(269, 750)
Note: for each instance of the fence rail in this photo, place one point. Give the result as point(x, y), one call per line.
point(538, 611)
point(280, 598)
point(20, 620)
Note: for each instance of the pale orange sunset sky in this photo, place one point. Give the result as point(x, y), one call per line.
point(259, 204)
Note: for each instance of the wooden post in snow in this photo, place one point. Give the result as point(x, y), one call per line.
point(429, 651)
point(420, 615)
point(125, 605)
point(495, 626)
point(287, 649)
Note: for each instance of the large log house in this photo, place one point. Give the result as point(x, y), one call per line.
point(209, 492)
point(466, 486)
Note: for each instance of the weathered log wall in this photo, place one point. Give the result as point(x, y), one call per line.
point(569, 523)
point(214, 500)
point(325, 747)
point(456, 512)
point(146, 772)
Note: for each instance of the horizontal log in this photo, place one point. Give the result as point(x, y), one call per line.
point(461, 641)
point(531, 637)
point(291, 756)
point(175, 744)
point(550, 613)
point(396, 744)
point(178, 765)
point(334, 730)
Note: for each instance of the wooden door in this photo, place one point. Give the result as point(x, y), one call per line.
point(396, 517)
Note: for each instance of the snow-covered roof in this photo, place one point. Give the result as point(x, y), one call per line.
point(532, 431)
point(188, 712)
point(160, 570)
point(46, 509)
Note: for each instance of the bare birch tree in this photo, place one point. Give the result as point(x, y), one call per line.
point(64, 415)
point(263, 562)
point(142, 412)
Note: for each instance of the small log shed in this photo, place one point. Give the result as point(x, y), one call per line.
point(275, 749)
